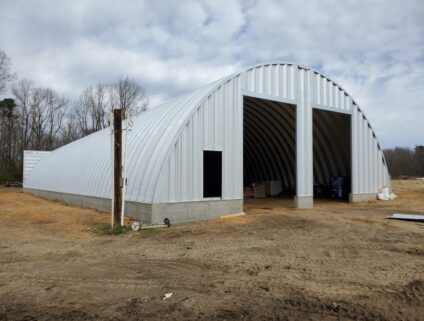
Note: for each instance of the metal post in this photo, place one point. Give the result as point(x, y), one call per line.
point(304, 140)
point(112, 167)
point(117, 170)
point(124, 162)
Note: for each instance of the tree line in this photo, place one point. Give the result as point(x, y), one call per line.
point(38, 118)
point(405, 162)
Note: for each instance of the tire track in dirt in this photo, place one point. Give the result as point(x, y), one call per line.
point(88, 281)
point(289, 309)
point(147, 272)
point(412, 293)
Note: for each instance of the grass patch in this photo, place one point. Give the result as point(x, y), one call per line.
point(105, 229)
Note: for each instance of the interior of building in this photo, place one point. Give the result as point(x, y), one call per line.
point(269, 151)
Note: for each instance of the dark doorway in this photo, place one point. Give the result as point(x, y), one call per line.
point(269, 147)
point(212, 173)
point(332, 154)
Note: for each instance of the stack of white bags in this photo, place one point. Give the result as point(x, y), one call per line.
point(385, 195)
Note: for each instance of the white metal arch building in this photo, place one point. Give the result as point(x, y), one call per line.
point(277, 121)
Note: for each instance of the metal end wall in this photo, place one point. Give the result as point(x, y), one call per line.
point(307, 88)
point(31, 159)
point(215, 124)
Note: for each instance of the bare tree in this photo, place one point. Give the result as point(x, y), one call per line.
point(419, 155)
point(22, 92)
point(70, 131)
point(129, 95)
point(81, 115)
point(96, 101)
point(55, 115)
point(402, 161)
point(5, 73)
point(38, 118)
point(7, 134)
point(90, 112)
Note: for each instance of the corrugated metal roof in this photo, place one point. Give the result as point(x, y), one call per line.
point(83, 167)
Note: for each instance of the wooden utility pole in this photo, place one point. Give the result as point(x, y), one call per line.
point(117, 171)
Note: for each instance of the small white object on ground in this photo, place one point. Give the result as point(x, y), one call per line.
point(135, 226)
point(385, 195)
point(167, 296)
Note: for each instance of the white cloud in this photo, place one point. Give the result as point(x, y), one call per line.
point(374, 49)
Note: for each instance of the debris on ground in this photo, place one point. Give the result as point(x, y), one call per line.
point(407, 217)
point(385, 195)
point(167, 296)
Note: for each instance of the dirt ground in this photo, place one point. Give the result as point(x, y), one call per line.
point(336, 261)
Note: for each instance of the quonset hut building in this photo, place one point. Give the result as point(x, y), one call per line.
point(190, 157)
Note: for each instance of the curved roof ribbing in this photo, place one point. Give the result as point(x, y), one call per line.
point(83, 167)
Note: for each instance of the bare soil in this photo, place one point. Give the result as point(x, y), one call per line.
point(337, 261)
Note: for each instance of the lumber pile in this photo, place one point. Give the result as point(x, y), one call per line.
point(259, 190)
point(254, 190)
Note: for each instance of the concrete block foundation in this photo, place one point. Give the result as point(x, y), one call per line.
point(354, 198)
point(151, 213)
point(304, 201)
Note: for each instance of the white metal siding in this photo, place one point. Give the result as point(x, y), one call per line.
point(369, 170)
point(274, 80)
point(31, 159)
point(216, 124)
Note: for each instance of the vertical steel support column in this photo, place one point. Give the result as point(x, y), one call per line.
point(304, 138)
point(239, 143)
point(354, 152)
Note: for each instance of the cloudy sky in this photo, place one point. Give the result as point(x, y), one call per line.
point(374, 49)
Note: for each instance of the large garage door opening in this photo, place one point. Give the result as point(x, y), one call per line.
point(269, 149)
point(332, 155)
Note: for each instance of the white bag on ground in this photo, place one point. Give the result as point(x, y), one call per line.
point(385, 195)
